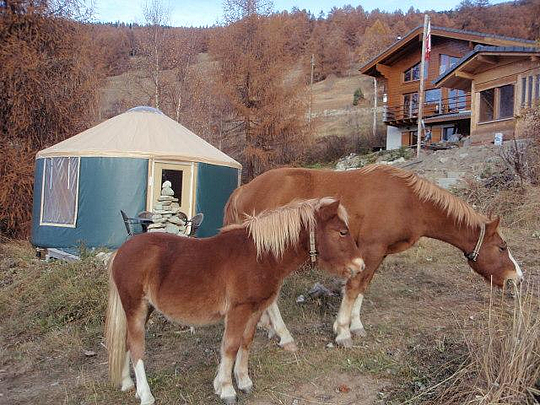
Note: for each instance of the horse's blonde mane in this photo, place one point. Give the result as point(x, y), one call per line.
point(273, 231)
point(456, 208)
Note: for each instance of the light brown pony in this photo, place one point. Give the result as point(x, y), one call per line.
point(234, 275)
point(389, 210)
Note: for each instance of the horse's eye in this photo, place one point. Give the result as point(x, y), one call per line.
point(344, 232)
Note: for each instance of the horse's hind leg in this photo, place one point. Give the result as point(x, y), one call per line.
point(135, 339)
point(127, 382)
point(241, 372)
point(235, 325)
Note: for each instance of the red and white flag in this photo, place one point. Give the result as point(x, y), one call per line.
point(427, 40)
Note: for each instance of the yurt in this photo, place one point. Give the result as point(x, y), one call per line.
point(82, 183)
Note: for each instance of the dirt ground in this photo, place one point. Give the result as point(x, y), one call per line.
point(418, 307)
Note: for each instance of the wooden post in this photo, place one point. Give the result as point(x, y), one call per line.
point(311, 88)
point(374, 107)
point(421, 91)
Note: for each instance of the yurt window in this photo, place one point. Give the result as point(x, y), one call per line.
point(60, 191)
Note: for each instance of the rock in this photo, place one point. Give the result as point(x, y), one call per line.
point(176, 220)
point(172, 228)
point(300, 299)
point(330, 345)
point(165, 198)
point(167, 191)
point(157, 230)
point(166, 184)
point(319, 290)
point(166, 204)
point(443, 159)
point(158, 206)
point(89, 353)
point(156, 225)
point(156, 217)
point(175, 205)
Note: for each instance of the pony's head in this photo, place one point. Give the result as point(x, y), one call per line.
point(336, 249)
point(493, 259)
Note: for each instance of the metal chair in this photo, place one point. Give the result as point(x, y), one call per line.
point(143, 219)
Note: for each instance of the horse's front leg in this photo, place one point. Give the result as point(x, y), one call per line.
point(348, 319)
point(285, 338)
point(241, 372)
point(235, 325)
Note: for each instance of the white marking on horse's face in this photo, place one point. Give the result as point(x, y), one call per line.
point(516, 266)
point(357, 265)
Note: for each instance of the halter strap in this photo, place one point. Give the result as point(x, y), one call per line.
point(474, 254)
point(312, 249)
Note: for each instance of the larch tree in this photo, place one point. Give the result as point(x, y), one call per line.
point(268, 110)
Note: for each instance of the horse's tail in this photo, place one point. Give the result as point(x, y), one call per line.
point(115, 330)
point(231, 214)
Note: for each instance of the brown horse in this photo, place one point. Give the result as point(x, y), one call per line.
point(234, 275)
point(389, 209)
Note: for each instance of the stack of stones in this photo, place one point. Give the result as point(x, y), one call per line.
point(166, 214)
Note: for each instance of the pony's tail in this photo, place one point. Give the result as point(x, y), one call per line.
point(115, 330)
point(230, 214)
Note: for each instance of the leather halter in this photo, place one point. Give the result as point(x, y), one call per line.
point(474, 254)
point(312, 249)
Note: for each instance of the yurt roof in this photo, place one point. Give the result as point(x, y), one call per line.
point(142, 132)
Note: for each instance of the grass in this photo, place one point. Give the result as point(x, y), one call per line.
point(53, 312)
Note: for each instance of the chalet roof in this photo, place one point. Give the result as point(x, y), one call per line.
point(505, 51)
point(401, 47)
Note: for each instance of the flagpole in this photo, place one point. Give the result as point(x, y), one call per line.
point(425, 38)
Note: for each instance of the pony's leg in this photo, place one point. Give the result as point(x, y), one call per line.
point(343, 320)
point(241, 372)
point(285, 338)
point(235, 325)
point(135, 337)
point(348, 319)
point(127, 382)
point(266, 324)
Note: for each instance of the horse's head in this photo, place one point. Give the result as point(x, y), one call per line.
point(337, 250)
point(493, 259)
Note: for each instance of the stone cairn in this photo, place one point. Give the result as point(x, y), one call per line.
point(166, 213)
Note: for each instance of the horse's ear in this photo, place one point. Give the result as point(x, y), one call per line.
point(328, 211)
point(492, 226)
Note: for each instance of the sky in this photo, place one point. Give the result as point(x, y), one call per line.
point(208, 12)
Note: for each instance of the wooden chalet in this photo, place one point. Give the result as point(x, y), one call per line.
point(447, 110)
point(503, 81)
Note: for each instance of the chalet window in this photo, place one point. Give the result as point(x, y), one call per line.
point(529, 91)
point(413, 73)
point(506, 101)
point(457, 100)
point(410, 104)
point(433, 96)
point(450, 134)
point(497, 103)
point(487, 103)
point(447, 62)
point(523, 90)
point(60, 190)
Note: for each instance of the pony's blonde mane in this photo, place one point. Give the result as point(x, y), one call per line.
point(273, 231)
point(454, 207)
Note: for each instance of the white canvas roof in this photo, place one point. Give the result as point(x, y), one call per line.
point(142, 132)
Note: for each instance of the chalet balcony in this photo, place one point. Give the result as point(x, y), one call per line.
point(434, 111)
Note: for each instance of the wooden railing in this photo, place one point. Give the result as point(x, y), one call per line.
point(409, 112)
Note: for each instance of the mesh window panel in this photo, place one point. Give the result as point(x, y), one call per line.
point(60, 186)
point(506, 101)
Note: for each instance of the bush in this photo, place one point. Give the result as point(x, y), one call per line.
point(358, 95)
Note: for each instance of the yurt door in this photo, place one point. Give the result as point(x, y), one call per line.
point(181, 178)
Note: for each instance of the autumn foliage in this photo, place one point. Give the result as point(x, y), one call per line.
point(243, 85)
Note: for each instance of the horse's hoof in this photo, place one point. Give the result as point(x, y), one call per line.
point(127, 386)
point(290, 347)
point(247, 388)
point(229, 400)
point(344, 342)
point(360, 332)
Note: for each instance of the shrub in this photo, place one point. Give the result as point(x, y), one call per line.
point(358, 95)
